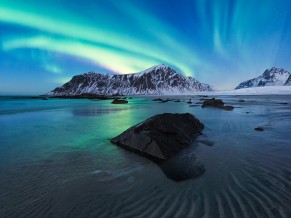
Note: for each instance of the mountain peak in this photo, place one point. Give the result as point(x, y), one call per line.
point(160, 66)
point(155, 68)
point(271, 77)
point(275, 70)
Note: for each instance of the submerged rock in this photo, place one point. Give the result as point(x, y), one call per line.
point(161, 136)
point(184, 165)
point(228, 108)
point(161, 100)
point(218, 103)
point(157, 99)
point(189, 102)
point(119, 101)
point(259, 129)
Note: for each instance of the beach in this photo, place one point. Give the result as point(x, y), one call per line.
point(56, 159)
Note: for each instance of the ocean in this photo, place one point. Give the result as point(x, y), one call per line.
point(56, 160)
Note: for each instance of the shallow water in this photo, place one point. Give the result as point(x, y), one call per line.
point(56, 160)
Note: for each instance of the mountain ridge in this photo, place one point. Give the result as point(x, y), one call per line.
point(270, 77)
point(157, 80)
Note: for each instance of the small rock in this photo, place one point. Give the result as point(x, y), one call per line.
point(161, 100)
point(158, 99)
point(118, 101)
point(228, 108)
point(241, 100)
point(189, 102)
point(218, 103)
point(259, 129)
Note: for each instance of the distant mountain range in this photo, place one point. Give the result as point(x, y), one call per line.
point(157, 80)
point(271, 77)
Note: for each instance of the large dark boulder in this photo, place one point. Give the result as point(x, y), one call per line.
point(161, 136)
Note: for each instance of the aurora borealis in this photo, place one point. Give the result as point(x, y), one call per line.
point(219, 42)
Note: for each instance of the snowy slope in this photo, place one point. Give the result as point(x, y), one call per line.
point(271, 77)
point(264, 90)
point(157, 80)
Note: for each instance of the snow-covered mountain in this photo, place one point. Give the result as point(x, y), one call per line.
point(157, 80)
point(271, 77)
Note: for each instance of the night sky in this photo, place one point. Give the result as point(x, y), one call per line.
point(219, 42)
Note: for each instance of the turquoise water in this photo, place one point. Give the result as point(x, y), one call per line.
point(56, 160)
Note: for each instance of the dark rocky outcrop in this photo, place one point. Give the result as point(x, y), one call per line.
point(161, 136)
point(218, 103)
point(119, 101)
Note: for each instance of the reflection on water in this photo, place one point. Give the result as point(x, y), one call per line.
point(56, 160)
point(95, 111)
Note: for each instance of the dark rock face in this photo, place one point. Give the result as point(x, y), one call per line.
point(218, 103)
point(161, 136)
point(119, 101)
